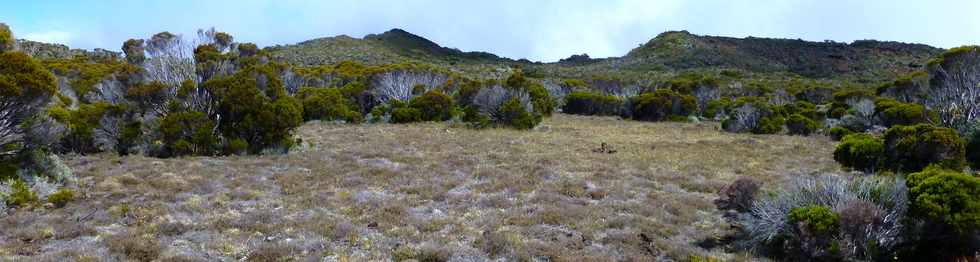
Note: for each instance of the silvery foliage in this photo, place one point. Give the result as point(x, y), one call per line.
point(399, 84)
point(170, 60)
point(955, 93)
point(768, 215)
point(557, 91)
point(704, 94)
point(744, 118)
point(863, 107)
point(490, 100)
point(47, 165)
point(780, 97)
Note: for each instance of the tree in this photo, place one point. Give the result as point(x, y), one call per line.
point(170, 60)
point(955, 87)
point(7, 40)
point(913, 148)
point(25, 87)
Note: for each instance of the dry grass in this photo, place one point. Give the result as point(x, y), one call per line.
point(421, 191)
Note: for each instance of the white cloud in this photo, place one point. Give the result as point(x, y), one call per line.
point(60, 37)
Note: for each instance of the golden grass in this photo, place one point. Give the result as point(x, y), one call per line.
point(368, 192)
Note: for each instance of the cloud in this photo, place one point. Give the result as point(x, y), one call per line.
point(60, 37)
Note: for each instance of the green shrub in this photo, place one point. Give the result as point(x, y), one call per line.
point(893, 113)
point(21, 195)
point(717, 107)
point(945, 196)
point(433, 106)
point(753, 114)
point(662, 105)
point(861, 152)
point(798, 124)
point(544, 105)
point(326, 104)
point(912, 148)
point(62, 197)
point(258, 112)
point(816, 219)
point(973, 150)
point(82, 122)
point(406, 115)
point(515, 116)
point(7, 40)
point(838, 133)
point(237, 146)
point(188, 133)
point(586, 103)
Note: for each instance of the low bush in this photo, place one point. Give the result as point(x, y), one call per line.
point(717, 108)
point(814, 228)
point(188, 133)
point(62, 197)
point(861, 152)
point(838, 133)
point(912, 148)
point(406, 115)
point(326, 104)
point(506, 107)
point(433, 106)
point(663, 105)
point(739, 195)
point(892, 112)
point(948, 202)
point(586, 103)
point(752, 114)
point(21, 195)
point(798, 124)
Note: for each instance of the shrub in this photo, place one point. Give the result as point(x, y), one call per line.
point(798, 124)
point(739, 195)
point(21, 195)
point(25, 87)
point(662, 105)
point(818, 220)
point(912, 148)
point(506, 107)
point(893, 113)
point(326, 104)
point(838, 133)
point(861, 152)
point(798, 221)
point(134, 246)
point(406, 115)
point(753, 114)
point(188, 133)
point(515, 115)
point(717, 107)
point(973, 150)
point(949, 203)
point(433, 106)
point(7, 40)
point(62, 197)
point(586, 103)
point(544, 105)
point(254, 107)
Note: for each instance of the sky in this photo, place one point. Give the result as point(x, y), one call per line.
point(540, 30)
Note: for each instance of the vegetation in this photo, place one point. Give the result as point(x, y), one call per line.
point(912, 148)
point(586, 103)
point(663, 105)
point(861, 151)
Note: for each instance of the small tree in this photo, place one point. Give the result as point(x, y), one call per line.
point(7, 40)
point(135, 51)
point(912, 148)
point(25, 87)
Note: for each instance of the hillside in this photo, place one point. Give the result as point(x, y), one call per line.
point(866, 61)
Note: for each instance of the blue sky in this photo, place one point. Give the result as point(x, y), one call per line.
point(544, 30)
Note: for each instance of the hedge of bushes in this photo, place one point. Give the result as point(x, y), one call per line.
point(588, 103)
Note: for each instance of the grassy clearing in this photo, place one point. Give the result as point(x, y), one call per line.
point(421, 191)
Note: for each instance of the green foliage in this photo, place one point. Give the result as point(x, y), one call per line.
point(798, 124)
point(912, 148)
point(7, 40)
point(662, 105)
point(941, 59)
point(23, 77)
point(258, 112)
point(188, 133)
point(973, 151)
point(237, 146)
point(892, 112)
point(62, 197)
point(21, 195)
point(947, 197)
point(433, 106)
point(515, 116)
point(81, 124)
point(717, 107)
point(587, 103)
point(685, 83)
point(326, 104)
point(838, 133)
point(150, 96)
point(406, 115)
point(817, 219)
point(85, 74)
point(543, 104)
point(861, 152)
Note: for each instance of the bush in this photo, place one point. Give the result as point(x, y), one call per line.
point(818, 220)
point(21, 195)
point(586, 103)
point(798, 124)
point(973, 150)
point(506, 107)
point(838, 133)
point(254, 107)
point(62, 197)
point(753, 114)
point(892, 113)
point(544, 105)
point(326, 104)
point(82, 124)
point(717, 107)
point(739, 195)
point(188, 133)
point(663, 105)
point(912, 148)
point(433, 106)
point(949, 203)
point(25, 88)
point(7, 40)
point(814, 229)
point(406, 115)
point(861, 152)
point(515, 115)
